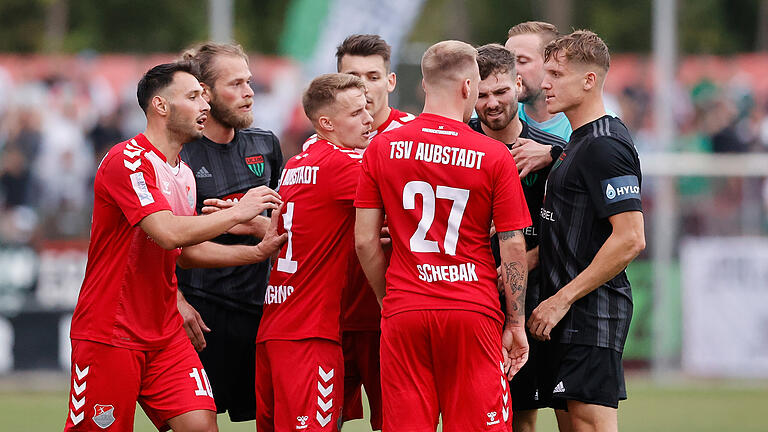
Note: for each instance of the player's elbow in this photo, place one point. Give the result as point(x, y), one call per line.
point(168, 241)
point(634, 243)
point(184, 261)
point(364, 245)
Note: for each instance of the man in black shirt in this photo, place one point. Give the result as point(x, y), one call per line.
point(497, 112)
point(591, 228)
point(227, 161)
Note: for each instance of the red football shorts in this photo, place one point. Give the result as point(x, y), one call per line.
point(107, 381)
point(445, 362)
point(362, 368)
point(298, 385)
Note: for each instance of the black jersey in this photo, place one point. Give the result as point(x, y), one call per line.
point(533, 189)
point(597, 176)
point(253, 158)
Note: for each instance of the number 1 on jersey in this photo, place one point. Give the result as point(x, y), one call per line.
point(287, 265)
point(419, 242)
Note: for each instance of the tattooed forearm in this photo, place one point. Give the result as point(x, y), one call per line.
point(506, 235)
point(515, 279)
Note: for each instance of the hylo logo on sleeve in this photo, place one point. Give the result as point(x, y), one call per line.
point(620, 188)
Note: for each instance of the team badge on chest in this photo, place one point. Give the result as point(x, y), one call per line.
point(104, 415)
point(255, 164)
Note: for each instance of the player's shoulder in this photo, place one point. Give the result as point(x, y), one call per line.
point(344, 155)
point(323, 150)
point(131, 154)
point(257, 134)
point(608, 134)
point(543, 137)
point(254, 131)
point(402, 117)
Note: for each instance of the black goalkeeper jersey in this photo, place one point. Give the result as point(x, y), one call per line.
point(253, 158)
point(597, 176)
point(533, 189)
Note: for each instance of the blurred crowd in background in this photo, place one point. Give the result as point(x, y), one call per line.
point(55, 128)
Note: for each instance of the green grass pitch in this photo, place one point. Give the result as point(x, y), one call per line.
point(682, 405)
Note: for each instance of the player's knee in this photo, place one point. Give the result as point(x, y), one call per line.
point(209, 426)
point(195, 421)
point(524, 421)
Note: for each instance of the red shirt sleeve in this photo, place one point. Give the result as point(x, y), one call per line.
point(349, 169)
point(133, 188)
point(510, 211)
point(368, 193)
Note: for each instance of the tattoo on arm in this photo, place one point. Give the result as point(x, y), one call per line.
point(514, 275)
point(506, 235)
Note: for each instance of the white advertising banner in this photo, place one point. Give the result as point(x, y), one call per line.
point(725, 306)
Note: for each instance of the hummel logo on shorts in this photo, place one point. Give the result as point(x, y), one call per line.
point(559, 388)
point(203, 173)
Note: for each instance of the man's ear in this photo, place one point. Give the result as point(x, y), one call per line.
point(466, 88)
point(590, 81)
point(391, 82)
point(206, 92)
point(160, 105)
point(325, 123)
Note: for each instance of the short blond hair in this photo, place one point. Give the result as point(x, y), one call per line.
point(581, 46)
point(322, 91)
point(449, 60)
point(547, 32)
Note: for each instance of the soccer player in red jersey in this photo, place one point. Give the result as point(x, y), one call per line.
point(299, 364)
point(128, 344)
point(445, 344)
point(366, 56)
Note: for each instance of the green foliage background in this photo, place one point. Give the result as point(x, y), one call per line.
point(705, 26)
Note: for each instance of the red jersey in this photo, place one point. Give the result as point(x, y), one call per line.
point(440, 185)
point(359, 305)
point(128, 296)
point(303, 297)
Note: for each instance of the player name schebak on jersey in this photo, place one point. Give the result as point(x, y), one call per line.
point(436, 153)
point(299, 175)
point(449, 273)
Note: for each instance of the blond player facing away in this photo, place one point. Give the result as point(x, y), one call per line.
point(299, 363)
point(445, 345)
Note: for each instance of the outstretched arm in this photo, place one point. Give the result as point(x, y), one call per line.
point(210, 254)
point(170, 231)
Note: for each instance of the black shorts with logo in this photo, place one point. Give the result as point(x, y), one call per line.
point(585, 373)
point(229, 357)
point(525, 387)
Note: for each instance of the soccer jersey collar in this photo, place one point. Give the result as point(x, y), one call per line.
point(445, 120)
point(393, 114)
point(144, 142)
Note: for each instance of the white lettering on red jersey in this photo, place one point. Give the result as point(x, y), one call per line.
point(313, 267)
point(441, 185)
point(128, 296)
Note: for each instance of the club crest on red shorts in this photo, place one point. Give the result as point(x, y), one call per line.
point(104, 415)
